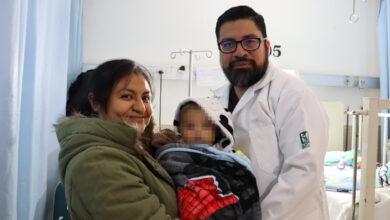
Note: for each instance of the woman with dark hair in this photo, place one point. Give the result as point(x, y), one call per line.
point(105, 161)
point(78, 91)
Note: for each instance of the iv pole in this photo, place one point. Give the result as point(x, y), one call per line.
point(160, 72)
point(190, 52)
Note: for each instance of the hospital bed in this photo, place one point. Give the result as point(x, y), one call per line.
point(370, 202)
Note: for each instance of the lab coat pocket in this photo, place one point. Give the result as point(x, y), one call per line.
point(265, 181)
point(312, 208)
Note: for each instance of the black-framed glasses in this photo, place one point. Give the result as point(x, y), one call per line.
point(248, 44)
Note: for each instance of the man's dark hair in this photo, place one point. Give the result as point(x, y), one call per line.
point(109, 73)
point(77, 101)
point(241, 12)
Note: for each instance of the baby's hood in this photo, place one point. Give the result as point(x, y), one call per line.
point(218, 115)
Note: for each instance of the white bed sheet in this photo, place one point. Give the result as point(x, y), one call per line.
point(340, 208)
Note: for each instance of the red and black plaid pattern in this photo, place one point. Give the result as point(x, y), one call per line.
point(201, 197)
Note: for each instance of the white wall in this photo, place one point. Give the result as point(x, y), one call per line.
point(315, 38)
point(315, 35)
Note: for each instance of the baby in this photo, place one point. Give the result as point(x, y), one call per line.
point(212, 182)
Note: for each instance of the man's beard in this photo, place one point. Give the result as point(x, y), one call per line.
point(245, 77)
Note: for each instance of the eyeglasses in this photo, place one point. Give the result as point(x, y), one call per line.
point(249, 44)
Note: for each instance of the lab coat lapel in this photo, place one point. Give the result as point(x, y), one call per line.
point(222, 95)
point(250, 92)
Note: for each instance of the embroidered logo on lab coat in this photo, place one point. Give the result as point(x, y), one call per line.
point(305, 141)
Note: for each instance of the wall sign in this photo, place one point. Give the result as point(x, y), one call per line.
point(275, 50)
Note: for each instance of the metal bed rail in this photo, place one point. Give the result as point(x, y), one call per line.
point(373, 108)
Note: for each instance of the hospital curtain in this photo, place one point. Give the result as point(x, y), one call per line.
point(40, 45)
point(384, 47)
point(383, 29)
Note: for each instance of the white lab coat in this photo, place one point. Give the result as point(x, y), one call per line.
point(268, 121)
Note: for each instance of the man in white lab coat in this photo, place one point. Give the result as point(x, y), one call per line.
point(279, 122)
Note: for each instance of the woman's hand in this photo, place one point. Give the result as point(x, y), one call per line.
point(165, 136)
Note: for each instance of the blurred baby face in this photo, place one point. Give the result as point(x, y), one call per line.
point(196, 128)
